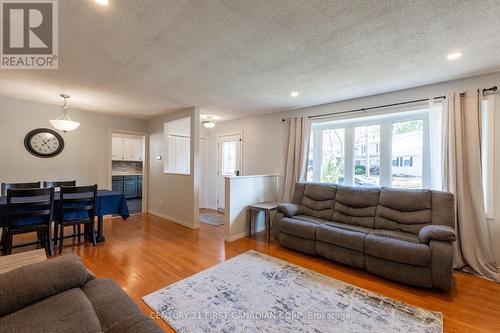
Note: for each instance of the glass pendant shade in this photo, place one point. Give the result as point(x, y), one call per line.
point(63, 122)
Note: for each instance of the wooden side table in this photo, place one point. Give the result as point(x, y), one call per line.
point(267, 208)
point(13, 261)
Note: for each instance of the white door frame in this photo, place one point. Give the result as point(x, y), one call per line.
point(145, 163)
point(217, 190)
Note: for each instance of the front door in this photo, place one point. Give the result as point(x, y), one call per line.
point(229, 163)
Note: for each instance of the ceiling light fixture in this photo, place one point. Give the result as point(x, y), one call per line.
point(63, 122)
point(209, 123)
point(294, 94)
point(102, 2)
point(454, 56)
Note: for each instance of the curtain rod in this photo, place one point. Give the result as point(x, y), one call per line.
point(486, 90)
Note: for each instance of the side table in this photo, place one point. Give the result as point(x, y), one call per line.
point(266, 207)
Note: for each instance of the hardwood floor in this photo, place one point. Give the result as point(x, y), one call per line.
point(146, 253)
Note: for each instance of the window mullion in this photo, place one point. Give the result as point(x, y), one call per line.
point(385, 152)
point(349, 156)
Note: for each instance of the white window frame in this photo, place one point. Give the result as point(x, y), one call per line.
point(385, 121)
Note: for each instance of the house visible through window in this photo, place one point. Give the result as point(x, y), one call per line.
point(390, 149)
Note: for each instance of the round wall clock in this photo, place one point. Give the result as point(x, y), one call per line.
point(44, 142)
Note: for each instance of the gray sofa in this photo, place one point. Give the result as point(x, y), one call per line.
point(403, 235)
point(60, 295)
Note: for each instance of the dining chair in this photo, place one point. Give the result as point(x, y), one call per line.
point(58, 184)
point(76, 207)
point(6, 186)
point(29, 210)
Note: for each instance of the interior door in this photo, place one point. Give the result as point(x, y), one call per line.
point(229, 163)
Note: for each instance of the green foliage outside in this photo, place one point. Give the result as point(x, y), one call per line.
point(408, 126)
point(332, 171)
point(359, 170)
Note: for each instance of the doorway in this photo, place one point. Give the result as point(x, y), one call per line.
point(228, 163)
point(128, 166)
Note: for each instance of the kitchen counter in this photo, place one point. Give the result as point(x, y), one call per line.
point(126, 174)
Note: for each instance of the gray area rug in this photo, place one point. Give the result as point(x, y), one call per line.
point(215, 219)
point(254, 292)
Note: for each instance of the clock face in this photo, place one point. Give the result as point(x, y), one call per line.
point(44, 142)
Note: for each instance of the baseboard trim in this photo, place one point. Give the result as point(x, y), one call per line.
point(243, 234)
point(175, 220)
point(208, 207)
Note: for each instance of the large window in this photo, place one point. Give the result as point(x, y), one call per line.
point(385, 150)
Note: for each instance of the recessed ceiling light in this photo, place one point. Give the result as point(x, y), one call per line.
point(454, 56)
point(294, 94)
point(102, 2)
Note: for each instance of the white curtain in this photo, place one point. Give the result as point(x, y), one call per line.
point(297, 136)
point(462, 176)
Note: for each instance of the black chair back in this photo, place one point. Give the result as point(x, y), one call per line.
point(28, 207)
point(58, 184)
point(77, 203)
point(6, 186)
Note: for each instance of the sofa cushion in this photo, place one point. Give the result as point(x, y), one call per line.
point(403, 210)
point(318, 200)
point(443, 208)
point(398, 250)
point(68, 311)
point(289, 209)
point(356, 205)
point(348, 239)
point(404, 236)
point(299, 228)
point(28, 284)
point(116, 311)
point(310, 219)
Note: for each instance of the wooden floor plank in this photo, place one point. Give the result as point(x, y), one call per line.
point(147, 253)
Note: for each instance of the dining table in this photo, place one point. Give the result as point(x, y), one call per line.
point(107, 203)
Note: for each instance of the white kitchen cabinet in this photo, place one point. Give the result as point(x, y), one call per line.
point(132, 149)
point(117, 152)
point(127, 149)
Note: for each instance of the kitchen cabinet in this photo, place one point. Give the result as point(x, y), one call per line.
point(130, 186)
point(127, 149)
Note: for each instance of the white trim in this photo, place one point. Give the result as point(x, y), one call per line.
point(175, 220)
point(243, 234)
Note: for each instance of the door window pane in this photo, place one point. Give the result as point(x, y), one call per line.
point(332, 164)
point(407, 144)
point(228, 158)
point(367, 155)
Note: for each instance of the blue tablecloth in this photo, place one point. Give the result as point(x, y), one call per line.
point(108, 202)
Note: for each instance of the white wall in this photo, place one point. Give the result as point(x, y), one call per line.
point(86, 153)
point(241, 192)
point(173, 196)
point(263, 135)
point(262, 148)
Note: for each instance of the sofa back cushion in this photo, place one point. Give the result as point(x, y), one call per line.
point(443, 208)
point(404, 210)
point(356, 205)
point(318, 200)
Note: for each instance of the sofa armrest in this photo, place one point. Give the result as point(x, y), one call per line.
point(31, 283)
point(289, 209)
point(436, 232)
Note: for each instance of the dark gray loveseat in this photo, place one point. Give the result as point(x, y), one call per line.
point(60, 295)
point(404, 235)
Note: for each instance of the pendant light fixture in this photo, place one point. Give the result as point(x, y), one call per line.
point(63, 122)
